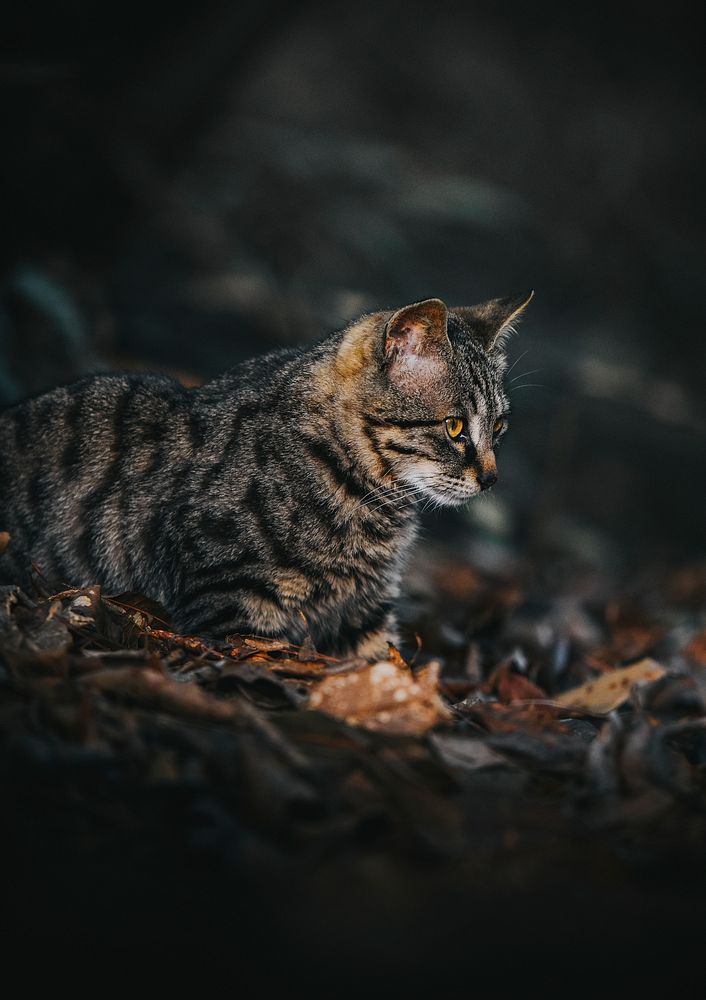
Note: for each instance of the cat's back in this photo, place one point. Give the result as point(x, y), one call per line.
point(83, 463)
point(81, 424)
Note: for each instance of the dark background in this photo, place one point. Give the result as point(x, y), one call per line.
point(184, 188)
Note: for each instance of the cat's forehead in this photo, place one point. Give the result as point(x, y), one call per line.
point(475, 378)
point(466, 342)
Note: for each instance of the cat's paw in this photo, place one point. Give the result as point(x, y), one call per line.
point(376, 645)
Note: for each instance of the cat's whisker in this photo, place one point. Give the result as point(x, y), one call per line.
point(516, 362)
point(379, 493)
point(534, 371)
point(384, 497)
point(378, 490)
point(408, 495)
point(401, 494)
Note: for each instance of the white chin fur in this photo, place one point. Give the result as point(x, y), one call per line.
point(430, 487)
point(453, 500)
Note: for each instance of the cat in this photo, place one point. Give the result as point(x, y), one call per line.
point(279, 499)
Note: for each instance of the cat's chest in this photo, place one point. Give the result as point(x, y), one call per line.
point(354, 566)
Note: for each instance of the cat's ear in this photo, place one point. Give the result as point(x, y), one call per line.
point(493, 321)
point(416, 344)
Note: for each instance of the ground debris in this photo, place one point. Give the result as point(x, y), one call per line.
point(540, 722)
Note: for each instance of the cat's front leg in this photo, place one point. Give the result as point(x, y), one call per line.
point(372, 642)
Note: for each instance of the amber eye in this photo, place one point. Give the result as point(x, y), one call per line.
point(498, 427)
point(454, 426)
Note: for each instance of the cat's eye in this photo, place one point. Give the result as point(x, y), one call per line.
point(499, 426)
point(454, 427)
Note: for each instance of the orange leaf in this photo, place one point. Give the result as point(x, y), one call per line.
point(383, 696)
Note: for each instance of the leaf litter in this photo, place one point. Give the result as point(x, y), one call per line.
point(534, 720)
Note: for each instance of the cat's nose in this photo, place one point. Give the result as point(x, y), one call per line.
point(487, 478)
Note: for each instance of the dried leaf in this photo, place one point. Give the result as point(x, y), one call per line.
point(84, 608)
point(142, 610)
point(512, 686)
point(631, 635)
point(267, 687)
point(383, 696)
point(307, 650)
point(152, 687)
point(529, 716)
point(464, 753)
point(262, 643)
point(696, 650)
point(185, 641)
point(394, 656)
point(296, 668)
point(605, 693)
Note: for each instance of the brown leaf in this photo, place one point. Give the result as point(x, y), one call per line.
point(295, 668)
point(607, 692)
point(631, 635)
point(262, 643)
point(383, 696)
point(394, 656)
point(185, 641)
point(512, 686)
point(529, 716)
point(307, 650)
point(696, 650)
point(149, 686)
point(142, 609)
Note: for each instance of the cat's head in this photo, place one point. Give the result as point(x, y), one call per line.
point(434, 404)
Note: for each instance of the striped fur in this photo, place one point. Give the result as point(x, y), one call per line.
point(279, 498)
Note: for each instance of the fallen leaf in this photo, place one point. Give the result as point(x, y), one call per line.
point(141, 609)
point(295, 668)
point(383, 696)
point(149, 686)
point(607, 692)
point(394, 656)
point(464, 753)
point(512, 686)
point(307, 650)
point(696, 650)
point(185, 641)
point(263, 643)
point(494, 717)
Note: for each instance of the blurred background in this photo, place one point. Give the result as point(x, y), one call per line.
point(183, 191)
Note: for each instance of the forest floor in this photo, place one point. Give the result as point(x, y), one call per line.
point(532, 797)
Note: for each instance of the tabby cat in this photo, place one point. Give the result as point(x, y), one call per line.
point(280, 498)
